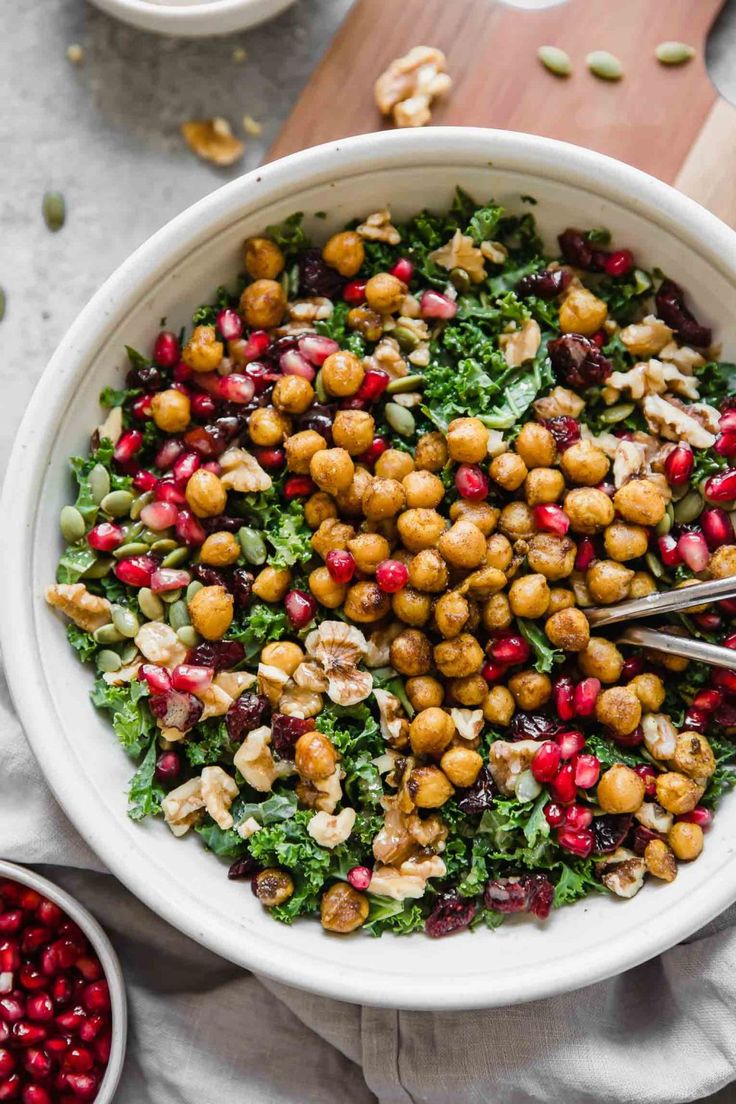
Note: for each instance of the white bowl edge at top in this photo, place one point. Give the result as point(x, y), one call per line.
point(193, 18)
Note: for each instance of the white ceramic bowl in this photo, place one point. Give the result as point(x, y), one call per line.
point(108, 959)
point(176, 270)
point(193, 18)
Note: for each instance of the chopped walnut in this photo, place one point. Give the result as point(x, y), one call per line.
point(387, 356)
point(651, 377)
point(219, 791)
point(623, 872)
point(160, 644)
point(393, 842)
point(461, 252)
point(685, 358)
point(242, 472)
point(410, 880)
point(410, 83)
point(339, 648)
point(330, 831)
point(271, 682)
point(646, 338)
point(495, 252)
point(559, 403)
point(216, 701)
point(255, 761)
point(378, 650)
point(521, 345)
point(496, 443)
point(378, 227)
point(468, 722)
point(629, 461)
point(507, 760)
point(392, 718)
point(408, 399)
point(316, 309)
point(183, 806)
point(420, 356)
point(310, 676)
point(234, 682)
point(86, 610)
point(676, 422)
point(425, 866)
point(298, 701)
point(248, 827)
point(213, 140)
point(654, 817)
point(430, 831)
point(112, 427)
point(660, 735)
point(329, 791)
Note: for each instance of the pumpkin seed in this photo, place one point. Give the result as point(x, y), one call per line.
point(617, 413)
point(253, 545)
point(175, 558)
point(192, 589)
point(134, 548)
point(188, 635)
point(556, 60)
point(164, 545)
point(407, 339)
point(149, 536)
point(99, 569)
point(2, 304)
point(527, 787)
point(460, 280)
point(179, 615)
point(71, 524)
point(604, 65)
point(133, 532)
point(674, 53)
point(128, 653)
point(150, 604)
point(405, 383)
point(400, 420)
point(99, 483)
point(125, 621)
point(108, 661)
point(139, 503)
point(107, 634)
point(688, 508)
point(54, 210)
point(170, 596)
point(320, 390)
point(654, 565)
point(664, 526)
point(117, 503)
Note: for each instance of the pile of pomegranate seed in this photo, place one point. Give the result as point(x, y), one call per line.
point(55, 1021)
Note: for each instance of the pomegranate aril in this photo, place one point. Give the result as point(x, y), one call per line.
point(678, 466)
point(128, 445)
point(176, 709)
point(578, 817)
point(403, 270)
point(144, 480)
point(236, 388)
point(136, 571)
point(202, 405)
point(37, 1063)
point(71, 1019)
point(255, 346)
point(721, 487)
point(169, 451)
point(375, 382)
point(340, 564)
point(555, 814)
point(587, 771)
point(158, 678)
point(105, 537)
point(707, 700)
point(669, 553)
point(37, 1094)
point(708, 622)
point(564, 429)
point(10, 1088)
point(730, 641)
point(79, 1059)
point(31, 978)
point(578, 842)
point(293, 363)
point(9, 955)
point(633, 666)
point(510, 650)
point(185, 466)
point(571, 743)
point(648, 776)
point(168, 766)
point(230, 324)
point(190, 678)
point(725, 444)
point(694, 551)
point(564, 698)
point(551, 519)
point(166, 349)
point(618, 263)
point(562, 787)
point(298, 486)
point(359, 877)
point(471, 483)
point(188, 529)
point(102, 1047)
point(168, 494)
point(377, 448)
point(317, 348)
point(433, 304)
point(159, 515)
point(300, 608)
point(717, 527)
point(166, 579)
point(83, 1085)
point(40, 1007)
point(10, 921)
point(49, 913)
point(354, 292)
point(141, 408)
point(392, 576)
point(585, 554)
point(698, 815)
point(96, 996)
point(7, 1061)
point(272, 459)
point(546, 762)
point(24, 1033)
point(696, 719)
point(493, 671)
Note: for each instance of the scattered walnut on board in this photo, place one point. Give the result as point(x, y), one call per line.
point(213, 141)
point(410, 83)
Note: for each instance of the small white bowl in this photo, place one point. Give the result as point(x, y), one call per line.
point(109, 960)
point(193, 18)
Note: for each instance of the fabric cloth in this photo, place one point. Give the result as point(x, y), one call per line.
point(203, 1031)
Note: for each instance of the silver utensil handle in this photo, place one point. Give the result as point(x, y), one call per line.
point(663, 602)
point(713, 654)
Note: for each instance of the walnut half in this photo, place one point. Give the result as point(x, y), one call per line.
point(410, 83)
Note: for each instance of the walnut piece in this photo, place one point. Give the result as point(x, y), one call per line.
point(686, 359)
point(521, 345)
point(410, 880)
point(378, 227)
point(623, 873)
point(298, 701)
point(234, 682)
point(646, 338)
point(112, 427)
point(213, 140)
point(330, 831)
point(651, 377)
point(378, 650)
point(329, 791)
point(86, 610)
point(660, 735)
point(654, 817)
point(387, 356)
point(215, 700)
point(338, 648)
point(495, 252)
point(183, 806)
point(676, 422)
point(160, 644)
point(391, 713)
point(242, 472)
point(248, 827)
point(410, 83)
point(255, 761)
point(560, 402)
point(315, 309)
point(271, 682)
point(219, 791)
point(468, 722)
point(461, 252)
point(507, 760)
point(310, 676)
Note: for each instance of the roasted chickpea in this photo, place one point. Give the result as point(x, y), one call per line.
point(205, 494)
point(620, 790)
point(353, 430)
point(420, 529)
point(463, 545)
point(601, 659)
point(271, 583)
point(482, 515)
point(203, 352)
point(383, 498)
point(272, 886)
point(344, 252)
point(499, 706)
point(458, 657)
point(467, 440)
point(324, 588)
point(483, 583)
point(220, 549)
point(428, 571)
point(366, 322)
point(411, 606)
point(470, 690)
point(496, 613)
point(332, 534)
point(368, 550)
point(694, 755)
point(283, 654)
point(350, 501)
point(211, 611)
point(262, 259)
point(530, 689)
point(423, 490)
point(428, 787)
point(301, 447)
point(517, 522)
point(625, 542)
point(423, 692)
point(677, 794)
point(642, 584)
point(461, 765)
point(722, 563)
point(529, 596)
point(343, 909)
point(649, 689)
point(568, 629)
point(536, 446)
point(585, 463)
point(543, 485)
point(508, 470)
point(686, 840)
point(550, 555)
point(560, 599)
point(431, 452)
point(332, 470)
point(431, 731)
point(608, 581)
point(171, 410)
point(394, 464)
point(314, 756)
point(499, 552)
point(293, 395)
point(318, 508)
point(411, 653)
point(342, 374)
point(640, 501)
point(385, 293)
point(588, 509)
point(365, 602)
point(263, 304)
point(619, 709)
point(268, 427)
point(582, 312)
point(451, 614)
point(660, 860)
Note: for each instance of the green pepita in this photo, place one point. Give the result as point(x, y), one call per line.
point(117, 503)
point(125, 621)
point(320, 390)
point(99, 569)
point(617, 413)
point(554, 59)
point(176, 557)
point(170, 596)
point(654, 565)
point(253, 545)
point(54, 210)
point(150, 536)
point(664, 526)
point(2, 304)
point(401, 420)
point(133, 548)
point(189, 636)
point(108, 634)
point(405, 383)
point(179, 615)
point(71, 524)
point(459, 280)
point(139, 503)
point(134, 532)
point(108, 661)
point(674, 53)
point(406, 338)
point(192, 589)
point(688, 508)
point(128, 653)
point(99, 483)
point(164, 545)
point(604, 65)
point(150, 604)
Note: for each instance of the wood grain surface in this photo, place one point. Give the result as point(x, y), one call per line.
point(669, 121)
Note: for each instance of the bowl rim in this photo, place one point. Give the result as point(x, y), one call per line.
point(110, 963)
point(628, 187)
point(203, 17)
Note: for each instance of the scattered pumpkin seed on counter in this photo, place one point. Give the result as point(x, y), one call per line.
point(604, 65)
point(554, 59)
point(54, 210)
point(674, 53)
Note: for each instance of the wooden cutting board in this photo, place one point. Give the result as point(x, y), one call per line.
point(670, 121)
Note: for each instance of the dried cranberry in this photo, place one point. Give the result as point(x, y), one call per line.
point(242, 587)
point(245, 714)
point(725, 715)
point(243, 868)
point(641, 836)
point(533, 726)
point(578, 362)
point(209, 576)
point(670, 299)
point(450, 914)
point(546, 284)
point(220, 654)
point(478, 797)
point(146, 377)
point(175, 709)
point(540, 893)
point(320, 419)
point(578, 250)
point(221, 523)
point(317, 278)
point(565, 430)
point(529, 893)
point(610, 831)
point(285, 731)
